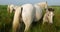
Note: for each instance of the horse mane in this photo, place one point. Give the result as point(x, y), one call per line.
point(21, 12)
point(50, 9)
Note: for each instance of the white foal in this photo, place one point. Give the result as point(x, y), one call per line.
point(48, 17)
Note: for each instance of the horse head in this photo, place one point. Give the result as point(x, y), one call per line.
point(10, 8)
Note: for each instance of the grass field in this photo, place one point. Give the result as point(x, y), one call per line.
point(6, 22)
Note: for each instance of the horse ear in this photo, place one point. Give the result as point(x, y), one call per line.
point(46, 2)
point(50, 9)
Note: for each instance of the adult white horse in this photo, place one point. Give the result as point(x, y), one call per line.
point(30, 13)
point(16, 9)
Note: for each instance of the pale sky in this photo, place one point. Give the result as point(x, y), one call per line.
point(19, 2)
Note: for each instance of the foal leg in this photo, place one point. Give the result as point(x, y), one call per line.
point(45, 19)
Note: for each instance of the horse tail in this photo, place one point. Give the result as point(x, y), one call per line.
point(46, 2)
point(17, 19)
point(20, 21)
point(21, 12)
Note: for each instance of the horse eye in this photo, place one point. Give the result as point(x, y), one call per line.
point(48, 14)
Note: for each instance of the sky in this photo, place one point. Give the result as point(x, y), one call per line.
point(20, 2)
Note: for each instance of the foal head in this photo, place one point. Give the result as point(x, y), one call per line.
point(50, 15)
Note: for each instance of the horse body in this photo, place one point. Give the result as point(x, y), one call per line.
point(27, 15)
point(38, 13)
point(30, 13)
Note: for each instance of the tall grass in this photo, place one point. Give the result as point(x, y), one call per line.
point(6, 21)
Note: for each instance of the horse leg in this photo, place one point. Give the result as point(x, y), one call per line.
point(27, 26)
point(45, 19)
point(27, 21)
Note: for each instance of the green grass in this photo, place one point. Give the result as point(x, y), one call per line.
point(6, 22)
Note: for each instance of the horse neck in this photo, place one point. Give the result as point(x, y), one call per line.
point(47, 10)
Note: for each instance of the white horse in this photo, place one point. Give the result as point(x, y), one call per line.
point(48, 16)
point(11, 8)
point(30, 13)
point(17, 10)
